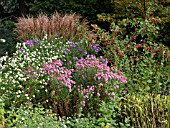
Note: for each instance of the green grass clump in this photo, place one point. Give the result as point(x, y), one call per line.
point(146, 110)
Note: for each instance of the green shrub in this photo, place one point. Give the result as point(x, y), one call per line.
point(31, 116)
point(110, 115)
point(142, 9)
point(131, 47)
point(85, 8)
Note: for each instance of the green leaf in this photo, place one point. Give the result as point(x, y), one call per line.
point(127, 120)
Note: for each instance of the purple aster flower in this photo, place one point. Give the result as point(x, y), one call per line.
point(76, 58)
point(72, 44)
point(85, 53)
point(68, 50)
point(79, 49)
point(96, 47)
point(30, 43)
point(104, 60)
point(22, 49)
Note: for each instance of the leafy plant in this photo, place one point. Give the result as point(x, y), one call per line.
point(110, 115)
point(135, 53)
point(31, 116)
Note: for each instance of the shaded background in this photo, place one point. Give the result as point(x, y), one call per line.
point(100, 12)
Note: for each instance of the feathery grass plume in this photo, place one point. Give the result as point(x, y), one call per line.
point(66, 26)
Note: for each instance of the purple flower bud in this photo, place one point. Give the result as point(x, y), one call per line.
point(76, 58)
point(72, 44)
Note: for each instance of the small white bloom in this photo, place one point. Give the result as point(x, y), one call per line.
point(2, 40)
point(55, 57)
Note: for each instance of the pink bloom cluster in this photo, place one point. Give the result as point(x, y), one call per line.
point(30, 72)
point(57, 71)
point(95, 74)
point(103, 71)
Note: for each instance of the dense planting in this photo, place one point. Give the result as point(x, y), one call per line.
point(99, 79)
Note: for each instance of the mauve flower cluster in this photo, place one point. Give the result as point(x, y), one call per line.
point(92, 73)
point(72, 44)
point(95, 47)
point(31, 42)
point(56, 71)
point(103, 71)
point(31, 73)
point(98, 72)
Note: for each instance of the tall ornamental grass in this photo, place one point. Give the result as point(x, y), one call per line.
point(66, 26)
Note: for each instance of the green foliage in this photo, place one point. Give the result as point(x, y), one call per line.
point(8, 7)
point(31, 116)
point(2, 111)
point(133, 110)
point(132, 48)
point(135, 9)
point(146, 110)
point(164, 35)
point(142, 9)
point(87, 9)
point(110, 115)
point(6, 33)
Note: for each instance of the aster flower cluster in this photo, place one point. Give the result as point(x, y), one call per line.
point(103, 71)
point(82, 47)
point(60, 69)
point(94, 74)
point(55, 70)
point(31, 42)
point(95, 47)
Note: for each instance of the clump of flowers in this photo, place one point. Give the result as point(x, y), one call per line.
point(96, 80)
point(31, 42)
point(61, 74)
point(64, 75)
